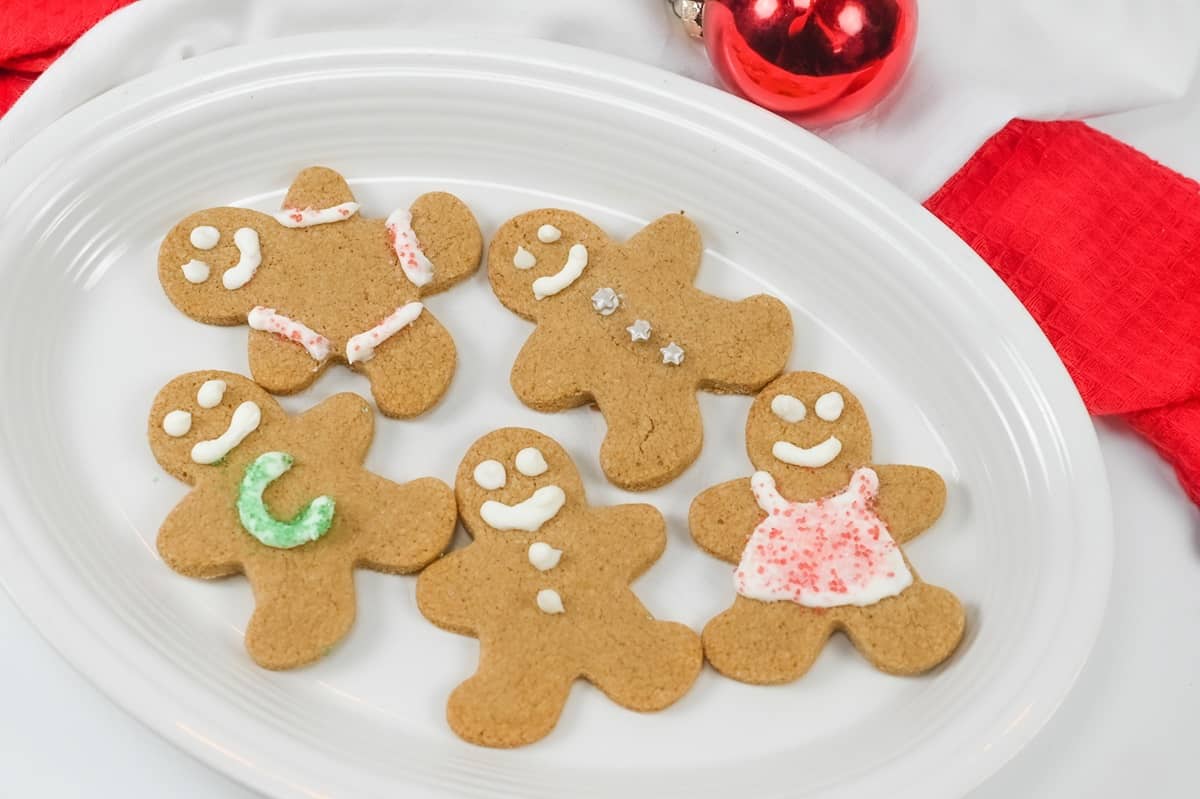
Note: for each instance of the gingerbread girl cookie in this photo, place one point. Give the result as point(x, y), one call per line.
point(319, 282)
point(816, 536)
point(545, 589)
point(623, 326)
point(286, 502)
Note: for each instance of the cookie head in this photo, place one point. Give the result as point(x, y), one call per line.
point(204, 419)
point(805, 421)
point(539, 260)
point(206, 263)
point(516, 481)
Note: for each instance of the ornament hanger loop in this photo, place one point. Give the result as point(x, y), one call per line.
point(689, 13)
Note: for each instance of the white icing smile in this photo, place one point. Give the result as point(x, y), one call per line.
point(813, 457)
point(246, 240)
point(528, 515)
point(244, 422)
point(548, 286)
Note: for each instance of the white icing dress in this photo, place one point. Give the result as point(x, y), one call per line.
point(821, 554)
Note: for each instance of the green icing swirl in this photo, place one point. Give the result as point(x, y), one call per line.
point(309, 524)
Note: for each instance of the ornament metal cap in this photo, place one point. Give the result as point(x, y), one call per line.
point(690, 14)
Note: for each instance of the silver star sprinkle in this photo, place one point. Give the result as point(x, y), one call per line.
point(639, 330)
point(605, 301)
point(672, 354)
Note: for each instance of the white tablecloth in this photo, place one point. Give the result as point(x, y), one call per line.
point(1129, 726)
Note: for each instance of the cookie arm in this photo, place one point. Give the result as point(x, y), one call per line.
point(671, 246)
point(629, 536)
point(449, 237)
point(448, 591)
point(722, 518)
point(281, 366)
point(201, 536)
point(341, 427)
point(751, 347)
point(398, 528)
point(911, 498)
point(545, 376)
point(412, 370)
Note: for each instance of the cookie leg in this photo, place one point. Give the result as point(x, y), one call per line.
point(513, 699)
point(765, 643)
point(281, 366)
point(654, 433)
point(909, 633)
point(646, 664)
point(411, 370)
point(303, 607)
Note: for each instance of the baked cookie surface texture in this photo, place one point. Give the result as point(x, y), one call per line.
point(285, 501)
point(544, 586)
point(319, 282)
point(621, 325)
point(816, 537)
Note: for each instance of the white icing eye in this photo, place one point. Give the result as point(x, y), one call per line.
point(524, 259)
point(490, 475)
point(530, 462)
point(177, 423)
point(205, 237)
point(788, 408)
point(195, 271)
point(548, 234)
point(829, 406)
point(210, 394)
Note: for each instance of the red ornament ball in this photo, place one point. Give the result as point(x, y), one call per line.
point(816, 62)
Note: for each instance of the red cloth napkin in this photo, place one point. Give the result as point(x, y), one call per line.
point(1102, 245)
point(35, 32)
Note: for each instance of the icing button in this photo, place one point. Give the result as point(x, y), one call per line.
point(605, 300)
point(639, 330)
point(672, 354)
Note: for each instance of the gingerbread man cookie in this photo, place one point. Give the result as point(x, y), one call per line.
point(545, 589)
point(623, 326)
point(816, 536)
point(319, 282)
point(286, 502)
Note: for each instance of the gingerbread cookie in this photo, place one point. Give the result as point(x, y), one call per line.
point(545, 589)
point(286, 502)
point(319, 282)
point(621, 325)
point(816, 536)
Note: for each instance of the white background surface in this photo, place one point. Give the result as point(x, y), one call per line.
point(1128, 728)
